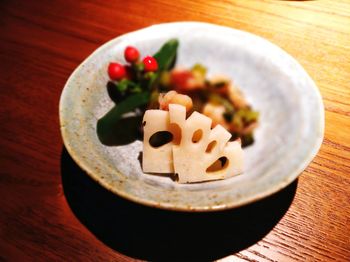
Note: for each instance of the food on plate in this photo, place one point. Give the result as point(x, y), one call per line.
point(194, 126)
point(217, 98)
point(154, 82)
point(173, 97)
point(196, 152)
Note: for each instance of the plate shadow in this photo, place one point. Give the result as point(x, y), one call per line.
point(152, 234)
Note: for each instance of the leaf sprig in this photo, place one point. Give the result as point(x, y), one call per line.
point(136, 92)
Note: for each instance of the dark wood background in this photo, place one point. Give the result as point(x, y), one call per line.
point(50, 210)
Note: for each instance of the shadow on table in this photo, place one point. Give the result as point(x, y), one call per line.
point(153, 234)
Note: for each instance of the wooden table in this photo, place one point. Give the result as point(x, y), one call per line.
point(50, 210)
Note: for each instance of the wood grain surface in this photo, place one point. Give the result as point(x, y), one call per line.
point(50, 210)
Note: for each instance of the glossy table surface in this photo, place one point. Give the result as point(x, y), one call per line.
point(50, 210)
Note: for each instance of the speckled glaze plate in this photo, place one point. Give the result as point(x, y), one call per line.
point(289, 136)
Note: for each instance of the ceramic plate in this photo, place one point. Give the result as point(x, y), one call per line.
point(291, 117)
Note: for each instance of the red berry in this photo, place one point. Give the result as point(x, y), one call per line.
point(150, 64)
point(131, 54)
point(116, 71)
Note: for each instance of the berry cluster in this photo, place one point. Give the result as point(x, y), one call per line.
point(118, 71)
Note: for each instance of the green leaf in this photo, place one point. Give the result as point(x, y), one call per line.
point(136, 89)
point(199, 69)
point(126, 86)
point(111, 119)
point(122, 86)
point(222, 101)
point(248, 115)
point(166, 56)
point(138, 66)
point(153, 81)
